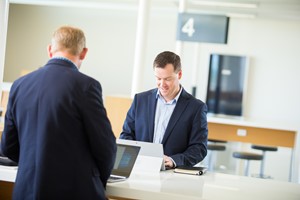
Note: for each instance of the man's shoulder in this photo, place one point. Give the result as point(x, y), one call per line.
point(191, 98)
point(147, 93)
point(24, 79)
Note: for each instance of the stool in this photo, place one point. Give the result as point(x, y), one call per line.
point(262, 165)
point(217, 141)
point(214, 147)
point(247, 156)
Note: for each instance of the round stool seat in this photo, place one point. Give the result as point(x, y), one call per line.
point(264, 148)
point(247, 155)
point(216, 147)
point(217, 141)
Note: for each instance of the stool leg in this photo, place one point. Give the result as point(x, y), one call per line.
point(210, 161)
point(247, 168)
point(262, 165)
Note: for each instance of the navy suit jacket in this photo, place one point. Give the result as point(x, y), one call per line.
point(57, 130)
point(185, 139)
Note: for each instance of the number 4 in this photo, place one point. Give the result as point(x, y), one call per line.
point(188, 27)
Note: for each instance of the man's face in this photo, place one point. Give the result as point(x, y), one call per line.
point(167, 81)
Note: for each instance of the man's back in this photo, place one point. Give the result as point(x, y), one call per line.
point(66, 142)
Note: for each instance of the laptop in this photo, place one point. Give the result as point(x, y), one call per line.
point(153, 152)
point(124, 163)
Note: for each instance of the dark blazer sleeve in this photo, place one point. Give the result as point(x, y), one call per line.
point(139, 122)
point(99, 131)
point(128, 131)
point(9, 141)
point(194, 147)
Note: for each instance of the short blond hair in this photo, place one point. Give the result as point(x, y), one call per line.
point(70, 39)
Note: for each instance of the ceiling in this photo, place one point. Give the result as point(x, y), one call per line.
point(270, 9)
point(275, 9)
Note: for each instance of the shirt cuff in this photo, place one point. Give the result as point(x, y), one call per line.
point(174, 163)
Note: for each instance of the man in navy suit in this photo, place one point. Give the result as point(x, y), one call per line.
point(56, 127)
point(169, 115)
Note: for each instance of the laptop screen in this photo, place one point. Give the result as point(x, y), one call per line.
point(148, 149)
point(125, 159)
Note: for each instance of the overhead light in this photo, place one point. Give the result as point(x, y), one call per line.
point(239, 15)
point(225, 4)
point(79, 4)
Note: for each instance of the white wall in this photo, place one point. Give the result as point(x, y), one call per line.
point(109, 39)
point(272, 45)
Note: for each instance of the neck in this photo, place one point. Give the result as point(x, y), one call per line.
point(70, 57)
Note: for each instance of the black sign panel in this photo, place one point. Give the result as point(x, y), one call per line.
point(202, 28)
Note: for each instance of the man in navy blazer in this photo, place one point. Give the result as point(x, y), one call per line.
point(56, 127)
point(169, 115)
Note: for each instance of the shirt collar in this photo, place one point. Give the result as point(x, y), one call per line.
point(158, 95)
point(65, 59)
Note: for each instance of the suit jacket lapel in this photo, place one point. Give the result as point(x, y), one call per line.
point(151, 113)
point(179, 108)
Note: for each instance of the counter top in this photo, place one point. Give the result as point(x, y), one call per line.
point(241, 121)
point(210, 186)
point(8, 173)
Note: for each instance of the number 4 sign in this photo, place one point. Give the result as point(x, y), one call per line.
point(188, 27)
point(202, 28)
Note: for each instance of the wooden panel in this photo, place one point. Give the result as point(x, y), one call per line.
point(1, 129)
point(117, 108)
point(4, 101)
point(25, 71)
point(118, 198)
point(6, 189)
point(261, 136)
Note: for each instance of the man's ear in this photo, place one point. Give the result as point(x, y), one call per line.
point(49, 51)
point(179, 74)
point(83, 53)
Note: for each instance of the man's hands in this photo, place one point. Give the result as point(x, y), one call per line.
point(168, 162)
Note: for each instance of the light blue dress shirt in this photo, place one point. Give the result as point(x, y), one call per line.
point(163, 114)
